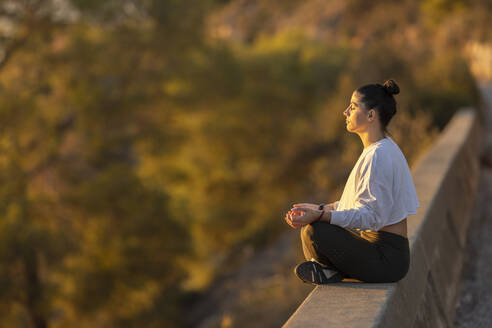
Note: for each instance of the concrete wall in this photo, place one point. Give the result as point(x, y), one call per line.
point(446, 179)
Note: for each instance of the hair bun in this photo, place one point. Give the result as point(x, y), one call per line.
point(391, 87)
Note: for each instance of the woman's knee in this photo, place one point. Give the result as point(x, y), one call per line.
point(306, 233)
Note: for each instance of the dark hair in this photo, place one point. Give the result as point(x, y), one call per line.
point(380, 97)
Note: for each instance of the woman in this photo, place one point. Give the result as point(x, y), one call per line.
point(364, 234)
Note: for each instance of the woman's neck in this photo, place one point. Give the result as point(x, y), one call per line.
point(371, 136)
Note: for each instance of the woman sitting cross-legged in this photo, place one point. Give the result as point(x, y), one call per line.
point(364, 234)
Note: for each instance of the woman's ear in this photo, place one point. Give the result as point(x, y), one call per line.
point(372, 114)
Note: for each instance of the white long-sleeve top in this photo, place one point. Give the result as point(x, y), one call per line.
point(379, 190)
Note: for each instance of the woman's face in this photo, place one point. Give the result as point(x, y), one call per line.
point(356, 114)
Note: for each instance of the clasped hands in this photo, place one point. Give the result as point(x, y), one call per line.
point(304, 213)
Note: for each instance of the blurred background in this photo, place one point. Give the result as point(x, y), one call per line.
point(149, 149)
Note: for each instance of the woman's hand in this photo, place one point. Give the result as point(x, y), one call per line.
point(300, 216)
point(311, 206)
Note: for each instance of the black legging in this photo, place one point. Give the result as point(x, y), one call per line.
point(375, 256)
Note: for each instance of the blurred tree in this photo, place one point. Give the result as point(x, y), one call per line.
point(244, 154)
point(83, 240)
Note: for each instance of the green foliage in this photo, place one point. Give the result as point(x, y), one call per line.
point(438, 10)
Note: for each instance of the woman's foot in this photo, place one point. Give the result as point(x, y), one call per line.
point(314, 273)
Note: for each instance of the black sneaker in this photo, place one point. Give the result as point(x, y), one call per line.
point(312, 272)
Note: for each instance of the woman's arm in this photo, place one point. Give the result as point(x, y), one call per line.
point(326, 217)
point(331, 207)
point(327, 207)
